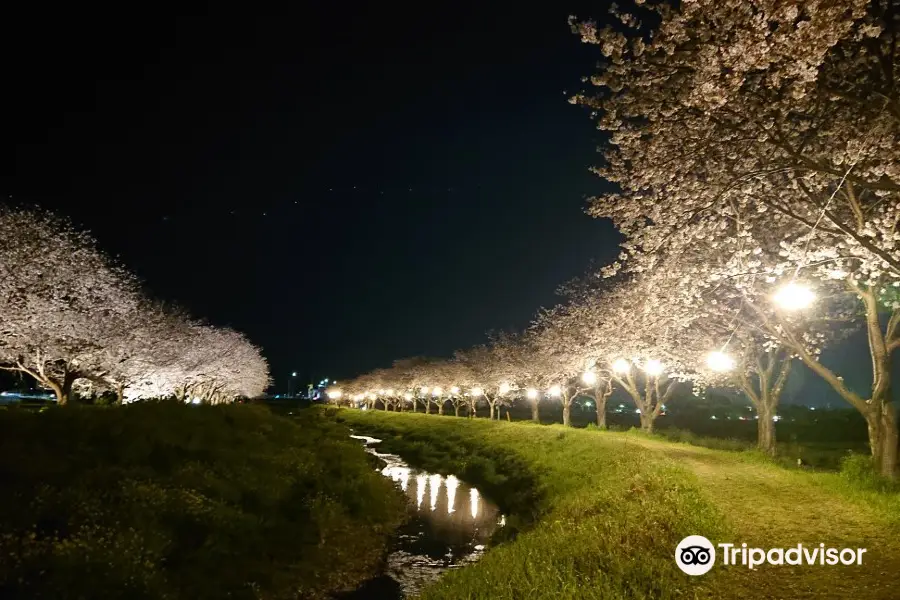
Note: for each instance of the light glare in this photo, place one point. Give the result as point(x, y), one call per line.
point(589, 377)
point(621, 366)
point(531, 393)
point(720, 362)
point(794, 296)
point(653, 367)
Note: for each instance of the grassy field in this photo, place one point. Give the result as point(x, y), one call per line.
point(599, 514)
point(167, 500)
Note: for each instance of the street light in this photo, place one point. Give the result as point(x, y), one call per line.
point(454, 390)
point(291, 384)
point(407, 396)
point(719, 361)
point(555, 391)
point(589, 377)
point(424, 390)
point(794, 296)
point(477, 391)
point(335, 394)
point(653, 367)
point(621, 366)
point(389, 392)
point(504, 388)
point(437, 392)
point(531, 393)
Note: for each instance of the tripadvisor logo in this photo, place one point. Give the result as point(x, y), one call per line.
point(696, 555)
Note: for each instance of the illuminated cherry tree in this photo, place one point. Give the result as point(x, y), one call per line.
point(61, 300)
point(69, 314)
point(767, 133)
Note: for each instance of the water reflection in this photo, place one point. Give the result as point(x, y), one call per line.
point(438, 536)
point(452, 483)
point(420, 489)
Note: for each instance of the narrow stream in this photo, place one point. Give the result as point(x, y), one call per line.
point(449, 525)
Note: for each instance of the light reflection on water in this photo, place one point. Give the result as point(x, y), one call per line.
point(440, 534)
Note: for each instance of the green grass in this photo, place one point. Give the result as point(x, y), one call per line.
point(598, 514)
point(166, 500)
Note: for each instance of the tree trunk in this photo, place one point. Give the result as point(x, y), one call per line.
point(535, 412)
point(883, 439)
point(647, 422)
point(491, 404)
point(427, 407)
point(889, 439)
point(456, 409)
point(765, 429)
point(57, 391)
point(120, 394)
point(508, 418)
point(440, 408)
point(566, 414)
point(601, 413)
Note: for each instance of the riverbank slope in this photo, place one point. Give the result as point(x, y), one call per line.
point(167, 500)
point(600, 513)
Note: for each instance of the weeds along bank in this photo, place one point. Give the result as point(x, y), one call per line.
point(598, 516)
point(166, 500)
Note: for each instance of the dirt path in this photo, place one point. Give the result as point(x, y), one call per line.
point(768, 507)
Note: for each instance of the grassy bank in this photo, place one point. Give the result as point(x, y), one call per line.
point(174, 501)
point(601, 513)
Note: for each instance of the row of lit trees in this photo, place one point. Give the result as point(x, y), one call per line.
point(755, 147)
point(582, 349)
point(73, 320)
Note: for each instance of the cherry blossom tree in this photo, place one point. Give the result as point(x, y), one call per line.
point(491, 370)
point(61, 300)
point(768, 133)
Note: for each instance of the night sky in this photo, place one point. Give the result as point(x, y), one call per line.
point(346, 184)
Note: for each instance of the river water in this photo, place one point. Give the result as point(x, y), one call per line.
point(450, 523)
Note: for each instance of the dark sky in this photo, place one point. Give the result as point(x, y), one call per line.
point(347, 184)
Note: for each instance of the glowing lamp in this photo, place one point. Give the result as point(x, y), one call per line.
point(531, 393)
point(504, 388)
point(653, 367)
point(719, 361)
point(589, 377)
point(454, 390)
point(794, 296)
point(437, 392)
point(555, 391)
point(334, 393)
point(621, 366)
point(477, 391)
